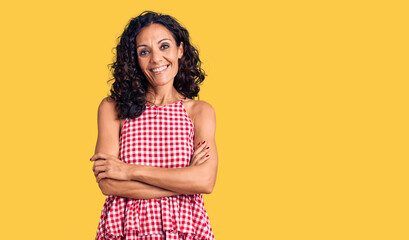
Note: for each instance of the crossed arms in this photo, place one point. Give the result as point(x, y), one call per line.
point(147, 182)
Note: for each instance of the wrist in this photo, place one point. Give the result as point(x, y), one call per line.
point(135, 172)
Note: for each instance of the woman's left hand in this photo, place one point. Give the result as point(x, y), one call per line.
point(109, 166)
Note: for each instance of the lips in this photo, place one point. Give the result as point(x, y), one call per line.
point(159, 69)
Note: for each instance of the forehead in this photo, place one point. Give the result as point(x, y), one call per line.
point(153, 32)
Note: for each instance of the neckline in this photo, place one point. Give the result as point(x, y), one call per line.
point(153, 106)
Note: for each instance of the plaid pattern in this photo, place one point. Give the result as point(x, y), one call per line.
point(160, 137)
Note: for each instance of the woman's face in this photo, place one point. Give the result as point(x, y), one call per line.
point(158, 54)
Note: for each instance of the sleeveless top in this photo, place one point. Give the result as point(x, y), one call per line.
point(160, 137)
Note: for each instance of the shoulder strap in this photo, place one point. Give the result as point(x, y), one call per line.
point(183, 99)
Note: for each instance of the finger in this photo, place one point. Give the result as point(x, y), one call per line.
point(98, 156)
point(98, 163)
point(198, 153)
point(99, 169)
point(207, 149)
point(94, 157)
point(202, 160)
point(100, 159)
point(195, 161)
point(207, 157)
point(102, 175)
point(201, 144)
point(202, 153)
point(199, 150)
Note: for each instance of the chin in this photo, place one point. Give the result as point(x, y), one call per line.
point(162, 82)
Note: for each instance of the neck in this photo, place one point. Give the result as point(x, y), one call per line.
point(162, 95)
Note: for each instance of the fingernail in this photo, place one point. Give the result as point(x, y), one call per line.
point(207, 147)
point(204, 141)
point(207, 155)
point(199, 144)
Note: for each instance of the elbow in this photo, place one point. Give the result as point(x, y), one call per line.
point(204, 181)
point(105, 192)
point(208, 186)
point(103, 185)
point(208, 190)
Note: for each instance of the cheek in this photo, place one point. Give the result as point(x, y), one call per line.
point(175, 59)
point(142, 64)
point(175, 64)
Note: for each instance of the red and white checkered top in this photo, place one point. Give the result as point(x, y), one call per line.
point(160, 137)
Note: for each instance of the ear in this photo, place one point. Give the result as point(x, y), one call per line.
point(180, 50)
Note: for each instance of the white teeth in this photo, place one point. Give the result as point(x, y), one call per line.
point(159, 69)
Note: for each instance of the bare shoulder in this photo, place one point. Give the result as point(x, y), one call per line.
point(199, 110)
point(107, 110)
point(107, 105)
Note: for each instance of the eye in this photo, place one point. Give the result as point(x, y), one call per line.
point(165, 46)
point(143, 52)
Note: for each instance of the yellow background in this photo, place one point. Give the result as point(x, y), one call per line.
point(311, 100)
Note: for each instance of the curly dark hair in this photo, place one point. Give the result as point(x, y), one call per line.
point(130, 84)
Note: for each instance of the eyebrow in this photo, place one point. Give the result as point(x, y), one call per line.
point(143, 45)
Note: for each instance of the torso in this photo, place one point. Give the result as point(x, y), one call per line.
point(188, 104)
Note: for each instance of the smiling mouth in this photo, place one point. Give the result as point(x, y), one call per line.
point(159, 69)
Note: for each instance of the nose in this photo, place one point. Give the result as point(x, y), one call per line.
point(156, 56)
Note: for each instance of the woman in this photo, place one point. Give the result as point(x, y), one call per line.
point(156, 152)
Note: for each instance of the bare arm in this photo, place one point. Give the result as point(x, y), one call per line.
point(108, 142)
point(192, 179)
point(133, 189)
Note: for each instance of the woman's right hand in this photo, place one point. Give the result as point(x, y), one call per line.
point(201, 154)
